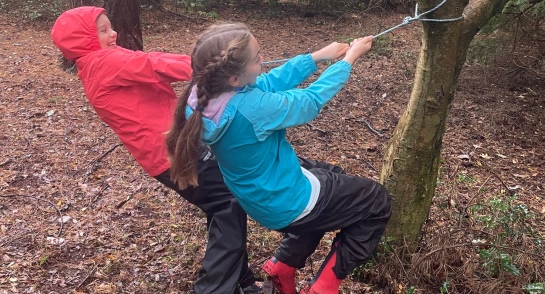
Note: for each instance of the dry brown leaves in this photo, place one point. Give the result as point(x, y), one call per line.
point(124, 233)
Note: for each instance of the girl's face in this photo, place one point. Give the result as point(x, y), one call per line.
point(106, 35)
point(253, 68)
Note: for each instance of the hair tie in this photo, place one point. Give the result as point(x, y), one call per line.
point(199, 108)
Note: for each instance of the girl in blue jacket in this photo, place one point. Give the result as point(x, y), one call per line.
point(243, 116)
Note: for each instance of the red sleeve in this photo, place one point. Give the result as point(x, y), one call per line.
point(122, 67)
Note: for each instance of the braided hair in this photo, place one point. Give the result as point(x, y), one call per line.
point(220, 53)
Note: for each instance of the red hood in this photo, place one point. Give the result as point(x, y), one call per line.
point(75, 32)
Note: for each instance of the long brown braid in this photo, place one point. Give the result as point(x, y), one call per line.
point(220, 52)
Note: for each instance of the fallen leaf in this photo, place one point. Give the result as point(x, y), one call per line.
point(55, 241)
point(464, 157)
point(64, 219)
point(484, 156)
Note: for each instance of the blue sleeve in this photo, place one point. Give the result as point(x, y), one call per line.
point(287, 76)
point(269, 112)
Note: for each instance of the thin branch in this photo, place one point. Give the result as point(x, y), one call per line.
point(107, 152)
point(399, 260)
point(500, 179)
point(370, 165)
point(44, 200)
point(312, 127)
point(98, 194)
point(369, 126)
point(94, 161)
point(372, 129)
point(478, 12)
point(86, 277)
point(475, 245)
point(528, 68)
point(464, 209)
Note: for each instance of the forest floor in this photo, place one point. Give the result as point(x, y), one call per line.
point(78, 215)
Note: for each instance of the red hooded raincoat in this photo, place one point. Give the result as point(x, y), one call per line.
point(129, 90)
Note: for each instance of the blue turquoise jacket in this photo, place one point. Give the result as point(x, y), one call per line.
point(258, 164)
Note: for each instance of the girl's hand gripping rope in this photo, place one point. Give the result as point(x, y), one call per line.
point(330, 52)
point(358, 47)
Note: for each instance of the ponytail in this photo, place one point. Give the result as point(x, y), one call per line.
point(183, 142)
point(220, 52)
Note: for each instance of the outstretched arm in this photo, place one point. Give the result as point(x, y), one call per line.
point(298, 69)
point(277, 111)
point(122, 68)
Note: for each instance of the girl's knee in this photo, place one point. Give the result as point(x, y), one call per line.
point(384, 201)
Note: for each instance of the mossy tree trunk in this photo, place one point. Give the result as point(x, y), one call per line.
point(412, 158)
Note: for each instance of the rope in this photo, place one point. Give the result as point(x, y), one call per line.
point(407, 20)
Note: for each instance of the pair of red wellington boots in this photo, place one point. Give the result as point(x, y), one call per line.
point(283, 277)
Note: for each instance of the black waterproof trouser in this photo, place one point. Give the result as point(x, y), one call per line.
point(225, 264)
point(358, 207)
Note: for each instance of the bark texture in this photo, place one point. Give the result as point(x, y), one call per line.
point(412, 158)
point(125, 18)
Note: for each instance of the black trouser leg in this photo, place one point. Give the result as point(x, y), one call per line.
point(295, 249)
point(359, 207)
point(225, 262)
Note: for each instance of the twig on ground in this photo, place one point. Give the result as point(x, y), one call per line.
point(94, 161)
point(369, 126)
point(500, 179)
point(120, 204)
point(400, 262)
point(99, 193)
point(370, 165)
point(313, 127)
point(474, 245)
point(372, 129)
point(463, 211)
point(86, 277)
point(44, 200)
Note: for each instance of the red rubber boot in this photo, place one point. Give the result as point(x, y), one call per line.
point(282, 276)
point(325, 282)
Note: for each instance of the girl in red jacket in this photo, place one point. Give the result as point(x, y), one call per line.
point(131, 92)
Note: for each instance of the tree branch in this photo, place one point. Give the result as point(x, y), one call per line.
point(44, 200)
point(478, 12)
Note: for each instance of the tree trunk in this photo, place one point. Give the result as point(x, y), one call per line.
point(78, 3)
point(412, 158)
point(125, 18)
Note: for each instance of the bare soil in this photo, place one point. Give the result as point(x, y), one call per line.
point(78, 215)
